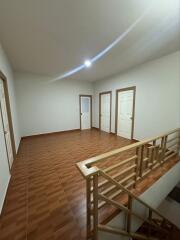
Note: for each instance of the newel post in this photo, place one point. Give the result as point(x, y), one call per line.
point(88, 206)
point(95, 206)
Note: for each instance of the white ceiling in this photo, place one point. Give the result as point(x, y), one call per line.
point(51, 37)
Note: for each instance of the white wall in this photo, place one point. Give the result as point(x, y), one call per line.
point(5, 67)
point(45, 107)
point(49, 107)
point(4, 170)
point(170, 209)
point(157, 95)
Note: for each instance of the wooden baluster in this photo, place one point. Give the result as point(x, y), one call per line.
point(95, 205)
point(163, 147)
point(154, 152)
point(148, 157)
point(165, 143)
point(157, 153)
point(141, 160)
point(88, 206)
point(129, 214)
point(136, 169)
point(161, 154)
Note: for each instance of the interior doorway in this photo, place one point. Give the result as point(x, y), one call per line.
point(85, 102)
point(125, 112)
point(105, 99)
point(4, 165)
point(6, 120)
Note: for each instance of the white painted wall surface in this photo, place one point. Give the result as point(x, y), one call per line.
point(171, 210)
point(157, 95)
point(5, 67)
point(4, 169)
point(45, 107)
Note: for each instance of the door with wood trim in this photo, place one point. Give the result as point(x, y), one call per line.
point(105, 111)
point(85, 112)
point(5, 121)
point(125, 107)
point(4, 166)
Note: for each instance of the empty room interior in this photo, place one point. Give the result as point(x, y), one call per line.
point(89, 120)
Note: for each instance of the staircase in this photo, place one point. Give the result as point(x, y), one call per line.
point(173, 233)
point(111, 183)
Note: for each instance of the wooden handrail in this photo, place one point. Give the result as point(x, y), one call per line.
point(103, 184)
point(85, 166)
point(124, 233)
point(131, 194)
point(130, 213)
point(123, 208)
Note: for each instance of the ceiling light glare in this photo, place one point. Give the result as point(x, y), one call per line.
point(87, 63)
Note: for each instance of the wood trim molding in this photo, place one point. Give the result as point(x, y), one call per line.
point(100, 94)
point(50, 133)
point(133, 113)
point(84, 95)
point(112, 133)
point(95, 128)
point(6, 92)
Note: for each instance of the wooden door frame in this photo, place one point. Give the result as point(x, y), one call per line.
point(133, 113)
point(8, 107)
point(84, 95)
point(100, 94)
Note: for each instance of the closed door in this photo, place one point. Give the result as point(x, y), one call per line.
point(4, 167)
point(5, 123)
point(125, 113)
point(85, 112)
point(105, 112)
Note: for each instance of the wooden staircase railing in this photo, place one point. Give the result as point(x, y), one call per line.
point(158, 223)
point(109, 175)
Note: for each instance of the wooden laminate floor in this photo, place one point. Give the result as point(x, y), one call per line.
point(46, 194)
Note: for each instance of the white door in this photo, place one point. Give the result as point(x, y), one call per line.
point(85, 112)
point(5, 122)
point(4, 167)
point(105, 113)
point(125, 113)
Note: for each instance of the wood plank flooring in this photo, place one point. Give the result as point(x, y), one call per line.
point(46, 194)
